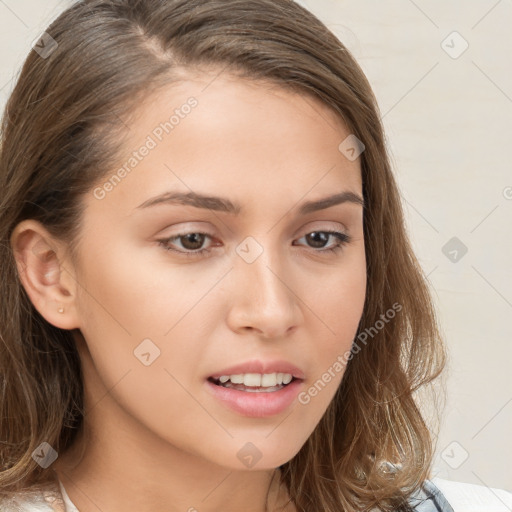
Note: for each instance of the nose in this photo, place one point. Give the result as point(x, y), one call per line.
point(262, 296)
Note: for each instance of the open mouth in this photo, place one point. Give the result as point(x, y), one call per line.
point(251, 389)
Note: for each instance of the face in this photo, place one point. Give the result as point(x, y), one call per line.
point(173, 292)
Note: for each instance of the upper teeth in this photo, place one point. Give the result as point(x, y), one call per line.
point(258, 379)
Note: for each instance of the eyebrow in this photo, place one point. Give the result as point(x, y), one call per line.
point(227, 206)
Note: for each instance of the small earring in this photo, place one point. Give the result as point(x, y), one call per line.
point(61, 310)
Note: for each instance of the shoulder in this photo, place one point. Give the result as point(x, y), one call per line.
point(47, 499)
point(440, 495)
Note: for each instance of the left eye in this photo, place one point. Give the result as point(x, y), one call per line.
point(194, 240)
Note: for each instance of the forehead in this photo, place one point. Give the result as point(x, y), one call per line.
point(230, 136)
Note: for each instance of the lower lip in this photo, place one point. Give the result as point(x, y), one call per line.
point(256, 404)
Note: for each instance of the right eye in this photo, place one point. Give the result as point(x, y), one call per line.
point(193, 238)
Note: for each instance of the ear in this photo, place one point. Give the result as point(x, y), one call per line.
point(45, 273)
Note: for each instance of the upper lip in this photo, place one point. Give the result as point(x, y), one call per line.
point(257, 366)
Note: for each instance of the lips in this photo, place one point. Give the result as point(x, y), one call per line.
point(263, 404)
point(262, 367)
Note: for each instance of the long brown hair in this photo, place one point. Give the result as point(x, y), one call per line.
point(61, 132)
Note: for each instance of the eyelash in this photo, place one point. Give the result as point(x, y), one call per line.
point(343, 239)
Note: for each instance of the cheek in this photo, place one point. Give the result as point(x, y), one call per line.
point(132, 314)
point(123, 293)
point(337, 300)
point(339, 310)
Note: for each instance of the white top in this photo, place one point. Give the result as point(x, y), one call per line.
point(462, 497)
point(69, 506)
point(474, 498)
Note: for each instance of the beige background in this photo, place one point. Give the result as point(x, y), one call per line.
point(448, 115)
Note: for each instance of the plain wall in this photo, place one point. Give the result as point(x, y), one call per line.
point(447, 112)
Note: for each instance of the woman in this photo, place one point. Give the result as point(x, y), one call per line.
point(209, 298)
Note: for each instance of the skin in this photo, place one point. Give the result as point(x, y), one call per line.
point(156, 439)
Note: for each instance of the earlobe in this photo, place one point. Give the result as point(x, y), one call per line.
point(44, 273)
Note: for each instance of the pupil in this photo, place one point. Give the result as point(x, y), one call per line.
point(192, 236)
point(318, 234)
